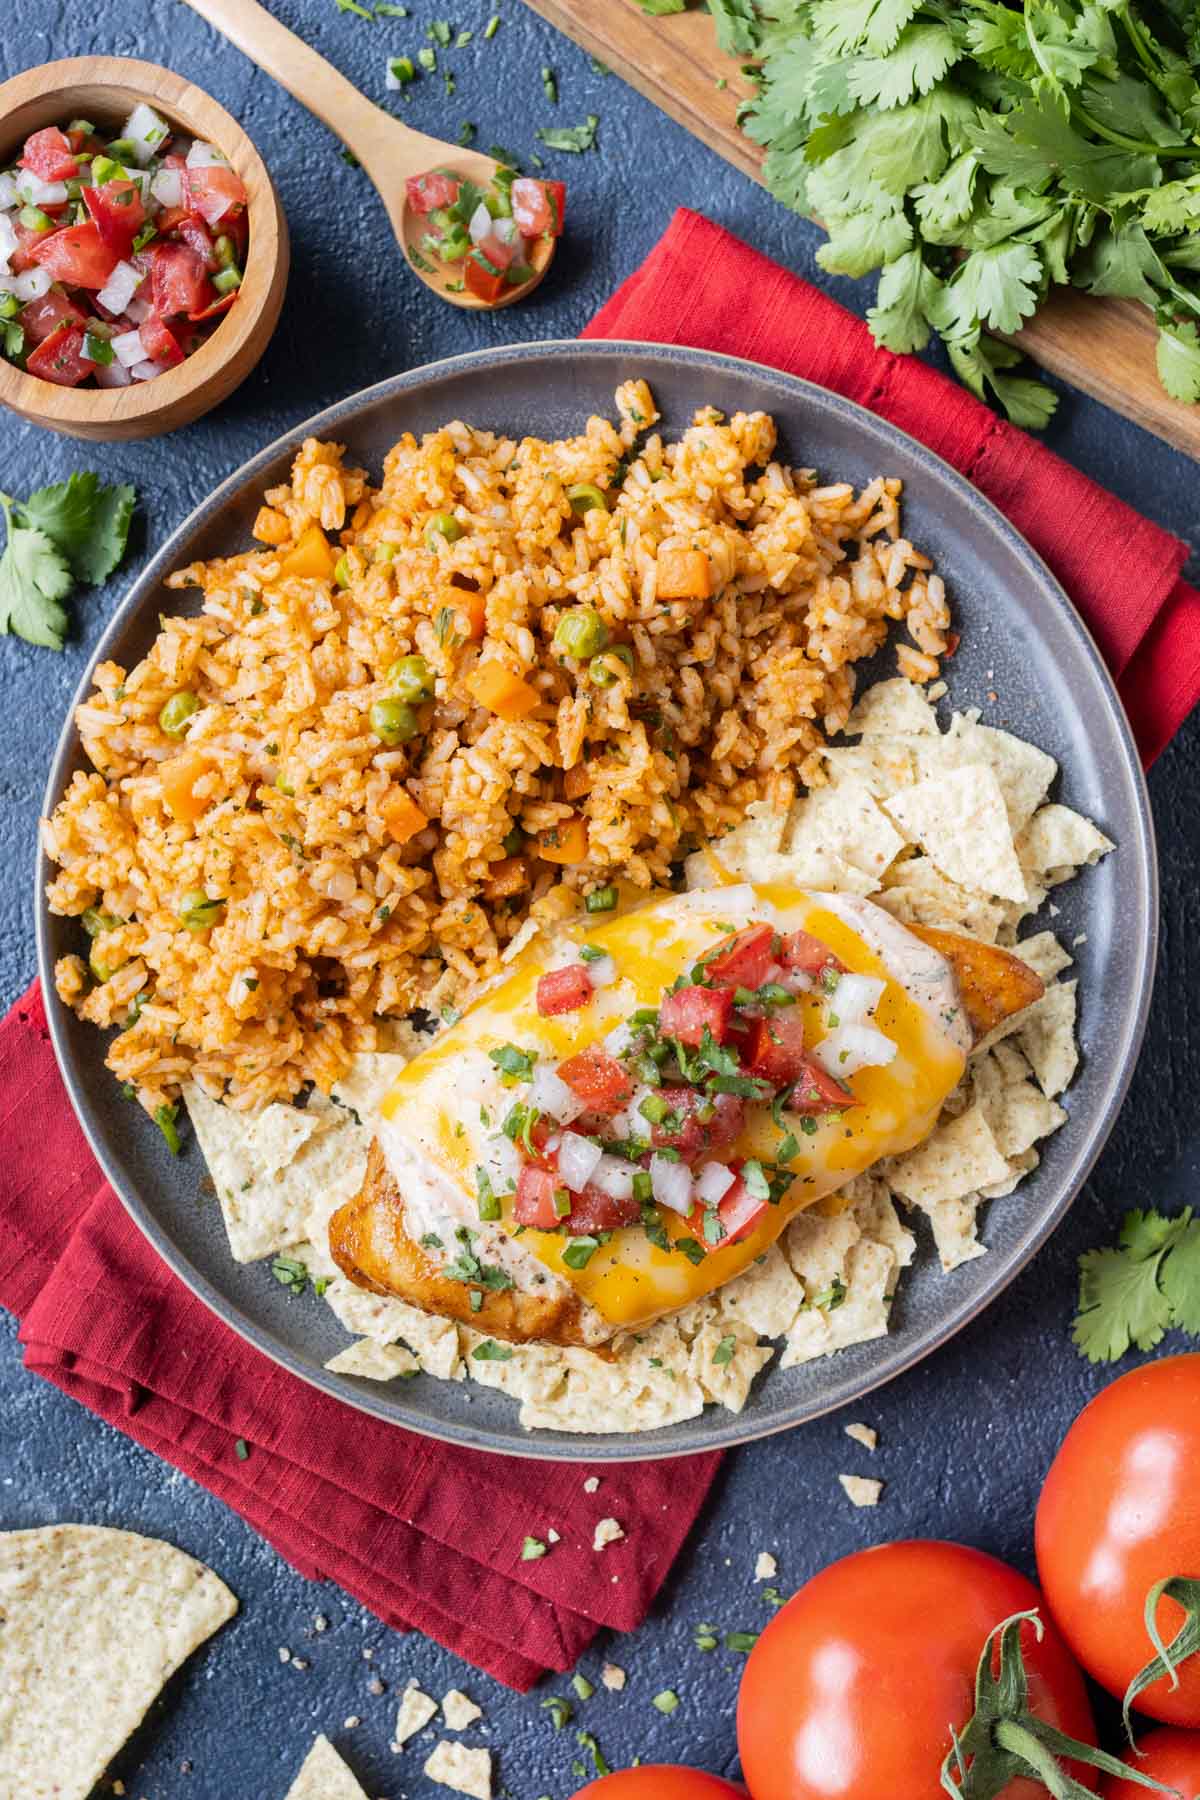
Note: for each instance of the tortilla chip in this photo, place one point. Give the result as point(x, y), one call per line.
point(1055, 838)
point(433, 1341)
point(860, 1315)
point(954, 1229)
point(861, 1490)
point(866, 1435)
point(917, 893)
point(877, 1218)
point(885, 766)
point(532, 1372)
point(724, 1360)
point(646, 1387)
point(757, 851)
point(459, 1710)
point(374, 1362)
point(890, 708)
point(1018, 1168)
point(1017, 1112)
point(958, 1158)
point(94, 1623)
point(465, 1770)
point(1047, 1036)
point(416, 1710)
point(248, 1157)
point(1044, 954)
point(959, 820)
point(766, 1297)
point(363, 1088)
point(1023, 772)
point(843, 822)
point(324, 1776)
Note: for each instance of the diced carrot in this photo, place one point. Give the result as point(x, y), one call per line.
point(683, 575)
point(576, 782)
point(178, 782)
point(402, 816)
point(502, 692)
point(509, 876)
point(361, 515)
point(565, 843)
point(472, 609)
point(310, 556)
point(271, 527)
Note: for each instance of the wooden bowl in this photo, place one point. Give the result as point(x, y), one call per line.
point(105, 89)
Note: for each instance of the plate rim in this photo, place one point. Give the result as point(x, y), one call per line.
point(718, 1430)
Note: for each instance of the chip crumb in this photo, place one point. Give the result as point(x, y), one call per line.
point(416, 1710)
point(553, 1537)
point(375, 1686)
point(613, 1678)
point(466, 1771)
point(351, 1723)
point(1081, 938)
point(607, 1532)
point(861, 1490)
point(765, 1567)
point(299, 1662)
point(866, 1435)
point(591, 1484)
point(118, 1787)
point(320, 1623)
point(459, 1710)
point(285, 1654)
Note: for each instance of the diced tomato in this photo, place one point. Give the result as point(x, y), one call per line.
point(481, 281)
point(801, 950)
point(564, 990)
point(178, 280)
point(743, 959)
point(78, 256)
point(60, 359)
point(212, 193)
point(690, 1011)
point(596, 1211)
point(118, 213)
point(598, 1079)
point(532, 207)
point(170, 219)
point(534, 1202)
point(49, 156)
point(739, 1212)
point(195, 234)
point(426, 193)
point(816, 1091)
point(556, 193)
point(28, 243)
point(775, 1050)
point(41, 317)
point(536, 1149)
point(160, 342)
point(692, 1134)
point(218, 304)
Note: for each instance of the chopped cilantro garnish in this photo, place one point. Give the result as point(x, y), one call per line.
point(531, 1548)
point(165, 1117)
point(587, 1742)
point(705, 1638)
point(290, 1273)
point(491, 1351)
point(517, 1064)
point(489, 1205)
point(788, 1148)
point(756, 1181)
point(691, 1249)
point(773, 1597)
point(724, 1351)
point(582, 1686)
point(590, 954)
point(714, 1230)
point(242, 1449)
point(574, 138)
point(558, 1708)
point(748, 1086)
point(831, 1297)
point(666, 1702)
point(580, 1251)
point(653, 1226)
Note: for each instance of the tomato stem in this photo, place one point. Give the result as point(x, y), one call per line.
point(1167, 1657)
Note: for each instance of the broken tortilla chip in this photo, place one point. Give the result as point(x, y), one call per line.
point(324, 1776)
point(959, 820)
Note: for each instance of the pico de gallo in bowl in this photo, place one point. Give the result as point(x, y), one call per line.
point(486, 238)
point(119, 254)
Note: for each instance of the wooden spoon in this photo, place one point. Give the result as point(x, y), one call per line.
point(389, 151)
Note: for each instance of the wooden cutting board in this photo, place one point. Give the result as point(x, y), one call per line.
point(1104, 347)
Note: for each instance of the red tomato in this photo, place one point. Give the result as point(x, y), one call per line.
point(49, 156)
point(688, 1012)
point(60, 359)
point(695, 1136)
point(118, 213)
point(212, 193)
point(532, 207)
point(1120, 1511)
point(775, 1051)
point(1168, 1755)
point(743, 959)
point(801, 950)
point(41, 317)
point(178, 280)
point(534, 1202)
point(556, 193)
point(160, 342)
point(852, 1690)
point(219, 303)
point(661, 1781)
point(816, 1092)
point(426, 193)
point(481, 281)
point(194, 233)
point(77, 257)
point(594, 1211)
point(564, 990)
point(28, 243)
point(598, 1079)
point(739, 1212)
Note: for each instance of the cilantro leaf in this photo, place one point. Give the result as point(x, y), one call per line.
point(1180, 1278)
point(1177, 357)
point(1120, 1304)
point(575, 138)
point(872, 25)
point(659, 7)
point(737, 26)
point(34, 577)
point(907, 289)
point(87, 522)
point(921, 56)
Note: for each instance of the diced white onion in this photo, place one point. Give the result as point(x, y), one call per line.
point(138, 310)
point(713, 1183)
point(129, 349)
point(619, 1039)
point(855, 999)
point(853, 1047)
point(602, 971)
point(8, 191)
point(31, 284)
point(147, 131)
point(205, 156)
point(577, 1159)
point(112, 375)
point(614, 1177)
point(167, 187)
point(146, 371)
point(630, 1122)
point(481, 224)
point(551, 1095)
point(36, 192)
point(507, 230)
point(797, 982)
point(120, 287)
point(8, 241)
point(671, 1183)
point(212, 207)
point(500, 1156)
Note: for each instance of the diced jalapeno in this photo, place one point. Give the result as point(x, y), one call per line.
point(198, 912)
point(586, 497)
point(177, 711)
point(601, 899)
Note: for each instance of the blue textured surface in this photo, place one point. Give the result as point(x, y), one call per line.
point(966, 1437)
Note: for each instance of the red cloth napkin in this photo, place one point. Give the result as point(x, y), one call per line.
point(704, 288)
point(422, 1535)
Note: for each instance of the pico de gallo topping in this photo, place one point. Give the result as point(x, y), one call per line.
point(484, 237)
point(642, 1123)
point(118, 255)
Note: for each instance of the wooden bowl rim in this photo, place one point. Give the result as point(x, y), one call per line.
point(172, 94)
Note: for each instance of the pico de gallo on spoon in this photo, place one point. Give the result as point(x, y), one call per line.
point(118, 255)
point(485, 236)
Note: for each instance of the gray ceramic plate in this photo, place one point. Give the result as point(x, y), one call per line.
point(1020, 638)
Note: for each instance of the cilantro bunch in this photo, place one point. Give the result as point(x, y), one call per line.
point(976, 153)
point(1133, 1294)
point(73, 532)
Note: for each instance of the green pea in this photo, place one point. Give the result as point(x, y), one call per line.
point(599, 672)
point(198, 912)
point(94, 921)
point(443, 525)
point(177, 711)
point(411, 678)
point(394, 721)
point(581, 632)
point(586, 497)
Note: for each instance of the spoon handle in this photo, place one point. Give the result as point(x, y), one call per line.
point(386, 148)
